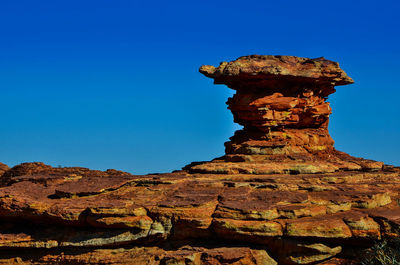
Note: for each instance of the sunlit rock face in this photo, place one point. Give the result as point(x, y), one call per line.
point(281, 194)
point(281, 101)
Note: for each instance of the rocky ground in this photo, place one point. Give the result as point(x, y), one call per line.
point(281, 194)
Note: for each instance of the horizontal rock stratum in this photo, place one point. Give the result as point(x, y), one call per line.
point(281, 103)
point(281, 194)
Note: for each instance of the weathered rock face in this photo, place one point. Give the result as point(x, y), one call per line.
point(3, 168)
point(281, 103)
point(282, 194)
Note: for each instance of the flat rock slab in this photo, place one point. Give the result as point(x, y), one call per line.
point(259, 68)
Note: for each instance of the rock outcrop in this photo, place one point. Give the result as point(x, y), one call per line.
point(3, 168)
point(281, 103)
point(281, 194)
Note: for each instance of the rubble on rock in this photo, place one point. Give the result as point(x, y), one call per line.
point(281, 194)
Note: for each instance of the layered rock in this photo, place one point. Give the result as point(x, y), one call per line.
point(281, 101)
point(67, 215)
point(282, 194)
point(3, 169)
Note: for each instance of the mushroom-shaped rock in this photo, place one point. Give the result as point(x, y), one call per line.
point(281, 102)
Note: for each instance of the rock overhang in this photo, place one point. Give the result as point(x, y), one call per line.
point(276, 71)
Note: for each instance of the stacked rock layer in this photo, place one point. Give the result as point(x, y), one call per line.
point(281, 195)
point(281, 101)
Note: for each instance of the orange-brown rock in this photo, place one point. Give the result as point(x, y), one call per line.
point(281, 195)
point(281, 101)
point(75, 214)
point(3, 168)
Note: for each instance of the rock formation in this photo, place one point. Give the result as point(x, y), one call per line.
point(281, 193)
point(281, 103)
point(3, 168)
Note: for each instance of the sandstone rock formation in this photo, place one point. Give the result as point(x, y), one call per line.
point(3, 168)
point(281, 194)
point(281, 103)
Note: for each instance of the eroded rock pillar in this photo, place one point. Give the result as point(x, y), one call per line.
point(281, 101)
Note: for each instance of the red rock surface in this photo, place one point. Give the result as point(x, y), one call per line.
point(3, 168)
point(281, 101)
point(281, 194)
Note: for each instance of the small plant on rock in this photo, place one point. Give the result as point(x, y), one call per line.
point(383, 253)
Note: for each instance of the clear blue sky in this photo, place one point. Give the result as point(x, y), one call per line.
point(115, 84)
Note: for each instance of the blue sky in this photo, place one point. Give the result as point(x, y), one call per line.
point(115, 84)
